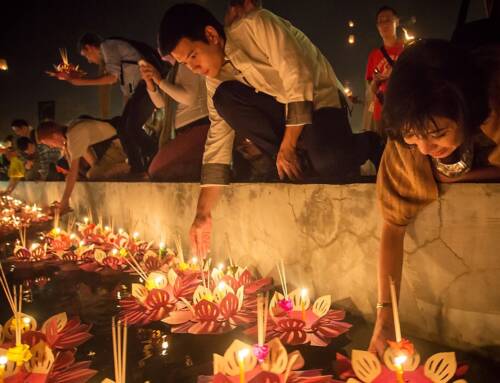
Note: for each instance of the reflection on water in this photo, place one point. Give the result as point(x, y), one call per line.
point(154, 354)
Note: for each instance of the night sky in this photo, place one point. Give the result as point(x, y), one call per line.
point(33, 31)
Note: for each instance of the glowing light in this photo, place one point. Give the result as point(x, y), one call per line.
point(222, 285)
point(26, 321)
point(194, 260)
point(3, 360)
point(348, 91)
point(408, 37)
point(3, 64)
point(107, 228)
point(303, 293)
point(351, 24)
point(162, 245)
point(135, 235)
point(114, 251)
point(164, 345)
point(34, 246)
point(86, 220)
point(400, 359)
point(82, 243)
point(351, 39)
point(72, 236)
point(120, 231)
point(159, 280)
point(242, 354)
point(220, 266)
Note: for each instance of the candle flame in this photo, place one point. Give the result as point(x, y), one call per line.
point(408, 37)
point(303, 292)
point(400, 359)
point(3, 360)
point(351, 39)
point(242, 354)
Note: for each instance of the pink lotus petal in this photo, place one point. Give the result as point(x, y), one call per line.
point(179, 316)
point(229, 306)
point(206, 310)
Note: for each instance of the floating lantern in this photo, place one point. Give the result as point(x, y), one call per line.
point(3, 64)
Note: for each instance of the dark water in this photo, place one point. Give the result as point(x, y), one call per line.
point(94, 298)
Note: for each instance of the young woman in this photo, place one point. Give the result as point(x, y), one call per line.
point(442, 115)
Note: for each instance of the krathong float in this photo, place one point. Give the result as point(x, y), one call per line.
point(17, 216)
point(401, 362)
point(65, 68)
point(29, 354)
point(240, 365)
point(294, 319)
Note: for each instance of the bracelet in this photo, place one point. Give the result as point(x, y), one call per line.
point(381, 305)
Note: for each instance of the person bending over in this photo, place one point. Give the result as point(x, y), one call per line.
point(271, 85)
point(94, 141)
point(447, 129)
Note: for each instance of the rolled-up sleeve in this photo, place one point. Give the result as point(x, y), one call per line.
point(286, 55)
point(216, 168)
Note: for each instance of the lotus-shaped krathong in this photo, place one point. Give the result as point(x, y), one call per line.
point(239, 364)
point(51, 349)
point(213, 311)
point(36, 253)
point(161, 294)
point(65, 67)
point(295, 321)
point(366, 367)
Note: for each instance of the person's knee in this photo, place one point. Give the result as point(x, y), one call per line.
point(227, 97)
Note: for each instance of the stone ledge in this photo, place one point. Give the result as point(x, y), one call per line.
point(328, 236)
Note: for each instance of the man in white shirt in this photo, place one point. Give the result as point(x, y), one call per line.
point(268, 82)
point(182, 98)
point(95, 141)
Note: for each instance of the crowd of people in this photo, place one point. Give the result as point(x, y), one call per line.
point(256, 100)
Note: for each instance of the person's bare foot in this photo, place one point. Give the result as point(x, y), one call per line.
point(382, 332)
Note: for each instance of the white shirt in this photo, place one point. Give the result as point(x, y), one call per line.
point(269, 54)
point(81, 134)
point(189, 92)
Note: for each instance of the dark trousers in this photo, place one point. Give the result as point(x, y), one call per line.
point(137, 144)
point(328, 147)
point(179, 160)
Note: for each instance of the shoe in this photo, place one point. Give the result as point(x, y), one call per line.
point(262, 166)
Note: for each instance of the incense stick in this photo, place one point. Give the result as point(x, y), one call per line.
point(395, 312)
point(178, 246)
point(119, 334)
point(281, 271)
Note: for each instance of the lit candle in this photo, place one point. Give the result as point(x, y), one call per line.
point(3, 363)
point(86, 220)
point(135, 235)
point(303, 296)
point(398, 363)
point(351, 40)
point(161, 249)
point(242, 354)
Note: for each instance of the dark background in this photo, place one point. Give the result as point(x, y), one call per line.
point(31, 33)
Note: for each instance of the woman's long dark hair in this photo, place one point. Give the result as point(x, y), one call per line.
point(433, 78)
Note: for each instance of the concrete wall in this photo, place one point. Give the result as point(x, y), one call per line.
point(328, 237)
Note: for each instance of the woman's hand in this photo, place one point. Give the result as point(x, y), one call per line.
point(382, 332)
